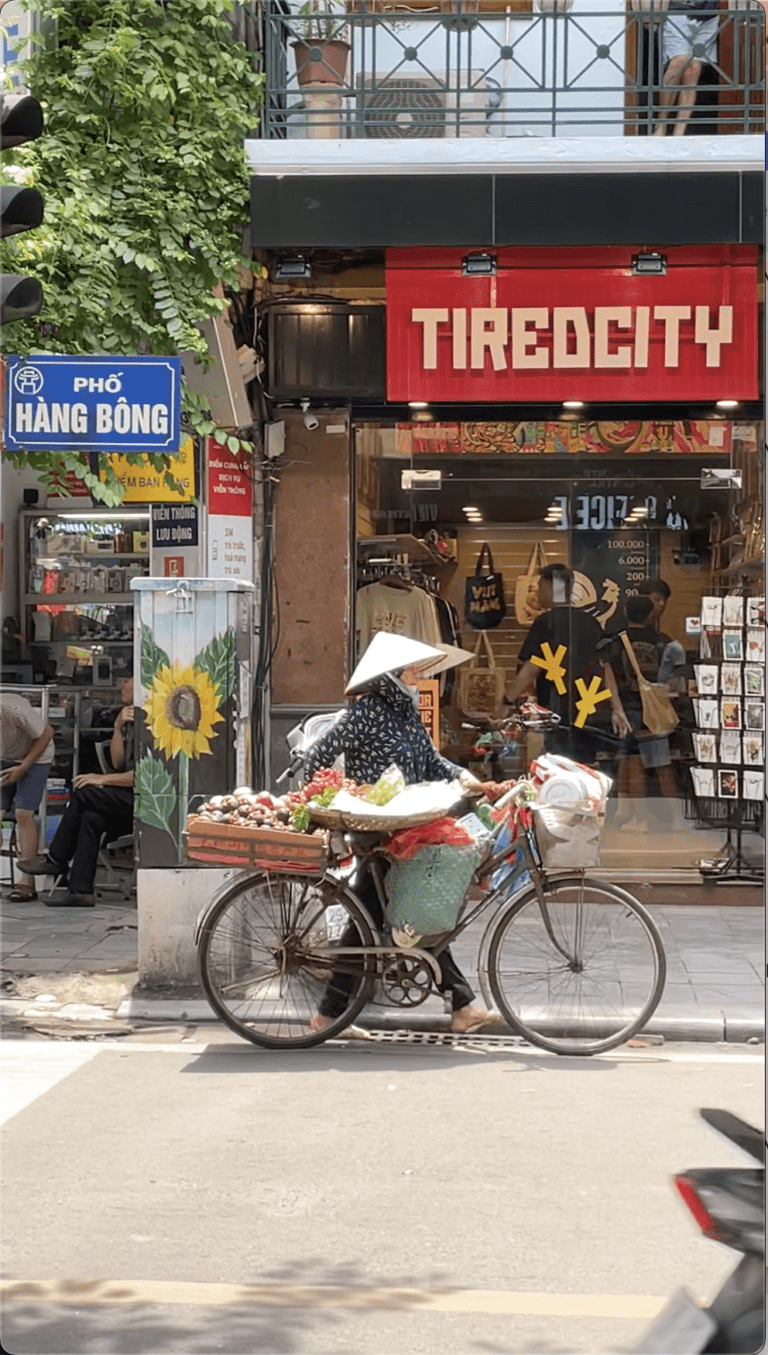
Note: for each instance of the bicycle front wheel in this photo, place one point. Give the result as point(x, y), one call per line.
point(270, 959)
point(580, 972)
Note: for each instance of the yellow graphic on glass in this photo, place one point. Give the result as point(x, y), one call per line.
point(552, 665)
point(589, 697)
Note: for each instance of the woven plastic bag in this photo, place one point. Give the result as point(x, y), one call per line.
point(425, 894)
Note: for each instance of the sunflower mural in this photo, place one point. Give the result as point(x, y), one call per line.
point(182, 708)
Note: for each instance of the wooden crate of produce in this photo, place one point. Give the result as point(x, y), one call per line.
point(224, 844)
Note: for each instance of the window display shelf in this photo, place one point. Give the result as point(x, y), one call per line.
point(70, 600)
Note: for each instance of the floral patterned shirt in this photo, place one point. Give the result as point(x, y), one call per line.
point(380, 728)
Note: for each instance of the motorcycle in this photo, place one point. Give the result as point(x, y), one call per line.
point(728, 1205)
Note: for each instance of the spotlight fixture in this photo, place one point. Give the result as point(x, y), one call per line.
point(478, 265)
point(649, 263)
point(470, 508)
point(573, 404)
point(418, 404)
point(728, 404)
point(296, 266)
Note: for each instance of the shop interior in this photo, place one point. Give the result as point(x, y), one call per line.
point(68, 644)
point(620, 504)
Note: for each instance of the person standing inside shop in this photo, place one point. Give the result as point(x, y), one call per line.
point(101, 804)
point(561, 649)
point(26, 752)
point(649, 646)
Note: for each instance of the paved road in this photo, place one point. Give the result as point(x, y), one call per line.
point(204, 1196)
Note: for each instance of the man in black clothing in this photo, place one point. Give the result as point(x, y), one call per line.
point(101, 803)
point(560, 654)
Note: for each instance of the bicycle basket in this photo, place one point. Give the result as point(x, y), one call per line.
point(567, 839)
point(425, 894)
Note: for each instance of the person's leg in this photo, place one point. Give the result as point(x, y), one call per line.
point(27, 837)
point(340, 985)
point(687, 96)
point(103, 809)
point(26, 802)
point(673, 71)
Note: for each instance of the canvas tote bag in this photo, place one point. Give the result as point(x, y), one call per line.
point(527, 588)
point(484, 602)
point(659, 715)
point(481, 690)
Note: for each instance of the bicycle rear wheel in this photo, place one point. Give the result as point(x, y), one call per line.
point(268, 963)
point(580, 975)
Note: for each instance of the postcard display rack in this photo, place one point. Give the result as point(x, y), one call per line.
point(728, 773)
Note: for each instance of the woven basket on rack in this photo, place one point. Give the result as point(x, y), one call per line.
point(371, 823)
point(427, 892)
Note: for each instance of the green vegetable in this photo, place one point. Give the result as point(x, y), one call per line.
point(301, 819)
point(325, 797)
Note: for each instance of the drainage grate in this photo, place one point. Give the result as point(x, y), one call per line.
point(444, 1040)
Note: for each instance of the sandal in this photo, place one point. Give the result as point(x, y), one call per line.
point(22, 894)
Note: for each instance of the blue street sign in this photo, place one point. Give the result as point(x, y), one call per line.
point(103, 404)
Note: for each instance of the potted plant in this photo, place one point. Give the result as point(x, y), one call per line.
point(321, 48)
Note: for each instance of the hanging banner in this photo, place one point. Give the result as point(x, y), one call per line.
point(557, 438)
point(552, 325)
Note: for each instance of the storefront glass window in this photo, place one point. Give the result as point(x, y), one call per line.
point(653, 529)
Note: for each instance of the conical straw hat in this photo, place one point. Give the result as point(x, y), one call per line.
point(453, 656)
point(388, 654)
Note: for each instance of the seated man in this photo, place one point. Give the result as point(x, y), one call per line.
point(100, 803)
point(26, 752)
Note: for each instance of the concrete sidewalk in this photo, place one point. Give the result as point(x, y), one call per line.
point(715, 986)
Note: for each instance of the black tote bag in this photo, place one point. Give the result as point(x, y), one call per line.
point(484, 602)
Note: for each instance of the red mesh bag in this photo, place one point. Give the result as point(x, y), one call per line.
point(441, 832)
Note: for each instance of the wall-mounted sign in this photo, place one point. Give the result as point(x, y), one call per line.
point(429, 708)
point(174, 524)
point(144, 484)
point(230, 515)
point(572, 324)
point(103, 404)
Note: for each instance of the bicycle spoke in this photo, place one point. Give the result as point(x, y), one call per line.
point(267, 959)
point(609, 987)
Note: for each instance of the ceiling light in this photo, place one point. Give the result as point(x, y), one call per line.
point(728, 404)
point(418, 404)
point(470, 508)
point(106, 517)
point(478, 265)
point(293, 267)
point(649, 263)
point(573, 404)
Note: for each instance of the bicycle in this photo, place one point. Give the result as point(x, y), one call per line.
point(575, 965)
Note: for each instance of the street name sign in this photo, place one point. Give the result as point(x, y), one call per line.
point(93, 404)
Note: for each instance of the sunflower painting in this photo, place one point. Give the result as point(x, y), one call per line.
point(184, 715)
point(181, 710)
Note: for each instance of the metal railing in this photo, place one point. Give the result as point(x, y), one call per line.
point(363, 71)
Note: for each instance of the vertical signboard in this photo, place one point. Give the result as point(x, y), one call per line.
point(429, 708)
point(230, 515)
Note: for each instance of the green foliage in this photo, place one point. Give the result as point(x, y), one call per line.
point(143, 173)
point(155, 793)
point(218, 661)
point(152, 657)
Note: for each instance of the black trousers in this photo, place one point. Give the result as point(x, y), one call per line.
point(336, 995)
point(91, 812)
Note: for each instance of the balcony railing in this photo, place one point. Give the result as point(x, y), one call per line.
point(475, 68)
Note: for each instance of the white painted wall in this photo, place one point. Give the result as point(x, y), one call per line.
point(169, 902)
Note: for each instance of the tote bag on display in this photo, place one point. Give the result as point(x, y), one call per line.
point(659, 715)
point(481, 690)
point(484, 602)
point(527, 588)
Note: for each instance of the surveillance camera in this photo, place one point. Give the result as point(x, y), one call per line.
point(310, 420)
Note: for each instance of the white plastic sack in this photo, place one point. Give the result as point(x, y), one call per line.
point(437, 797)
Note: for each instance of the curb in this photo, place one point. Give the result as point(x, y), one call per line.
point(706, 1029)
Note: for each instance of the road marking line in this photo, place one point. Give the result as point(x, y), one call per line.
point(85, 1293)
point(29, 1069)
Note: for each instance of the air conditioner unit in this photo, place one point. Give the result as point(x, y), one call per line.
point(423, 106)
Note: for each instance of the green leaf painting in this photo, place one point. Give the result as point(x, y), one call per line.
point(218, 661)
point(152, 657)
point(155, 793)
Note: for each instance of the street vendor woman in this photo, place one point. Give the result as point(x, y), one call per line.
point(381, 726)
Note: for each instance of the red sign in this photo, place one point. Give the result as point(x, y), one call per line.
point(572, 324)
point(230, 492)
